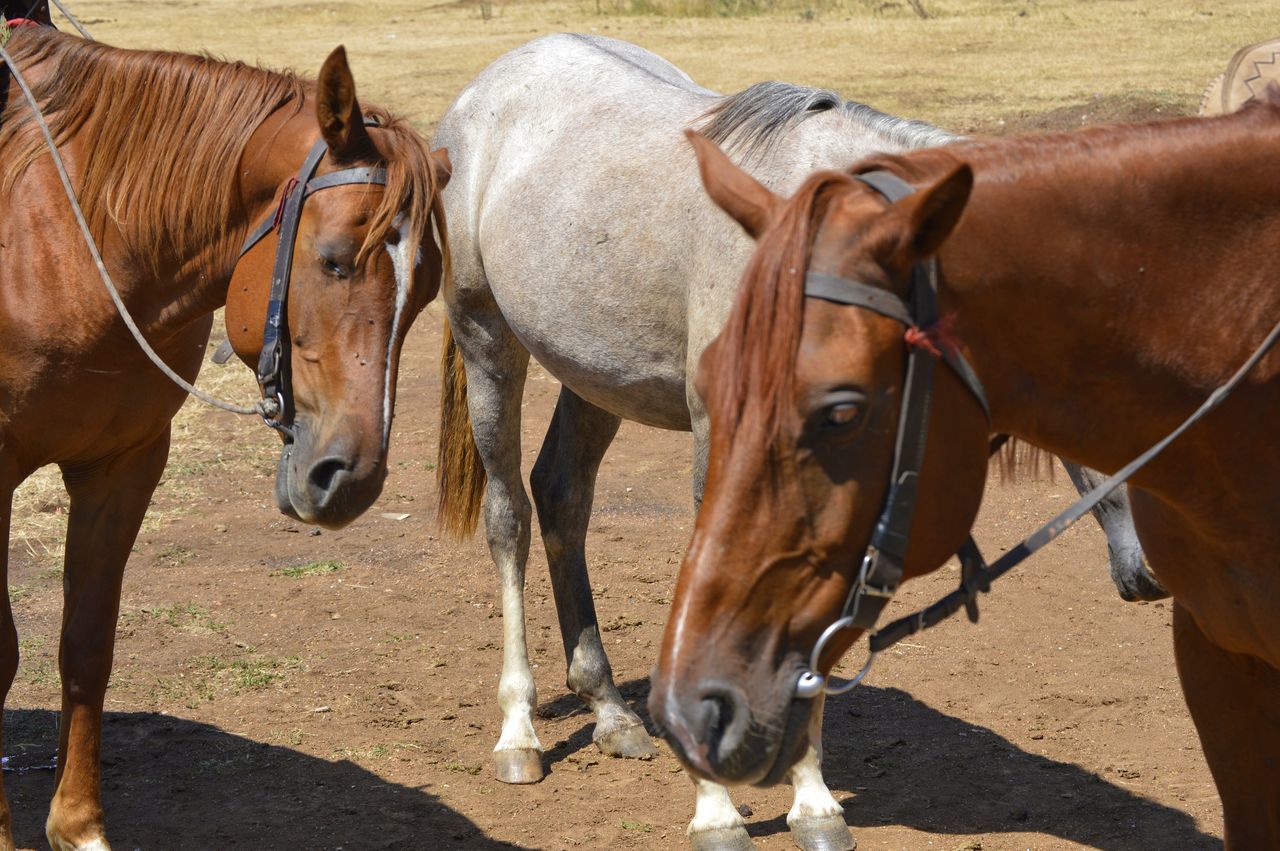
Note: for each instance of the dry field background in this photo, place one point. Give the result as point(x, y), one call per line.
point(278, 689)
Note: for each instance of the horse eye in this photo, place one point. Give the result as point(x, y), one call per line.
point(333, 268)
point(843, 414)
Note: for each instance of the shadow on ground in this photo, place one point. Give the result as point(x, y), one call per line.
point(911, 765)
point(160, 771)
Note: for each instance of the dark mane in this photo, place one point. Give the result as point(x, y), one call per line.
point(754, 119)
point(169, 131)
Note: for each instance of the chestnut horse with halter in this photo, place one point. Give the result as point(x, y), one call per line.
point(1094, 288)
point(176, 170)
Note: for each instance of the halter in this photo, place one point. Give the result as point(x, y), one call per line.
point(274, 364)
point(881, 570)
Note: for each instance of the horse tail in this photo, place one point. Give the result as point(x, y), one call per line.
point(460, 476)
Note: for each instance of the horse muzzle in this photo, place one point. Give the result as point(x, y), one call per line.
point(328, 486)
point(719, 734)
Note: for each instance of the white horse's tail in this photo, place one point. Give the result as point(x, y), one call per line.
point(460, 475)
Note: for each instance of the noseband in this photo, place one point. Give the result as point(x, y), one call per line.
point(274, 364)
point(881, 571)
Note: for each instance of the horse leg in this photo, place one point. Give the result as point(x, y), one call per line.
point(564, 481)
point(496, 365)
point(816, 819)
point(1235, 703)
point(717, 825)
point(8, 654)
point(108, 501)
point(1129, 569)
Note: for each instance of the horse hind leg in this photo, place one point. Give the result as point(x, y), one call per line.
point(496, 365)
point(564, 480)
point(1129, 569)
point(816, 819)
point(108, 501)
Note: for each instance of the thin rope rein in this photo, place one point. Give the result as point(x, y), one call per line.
point(74, 22)
point(257, 408)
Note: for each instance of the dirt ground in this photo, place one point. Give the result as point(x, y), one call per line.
point(280, 687)
point(275, 688)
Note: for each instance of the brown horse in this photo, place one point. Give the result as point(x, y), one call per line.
point(176, 158)
point(1101, 283)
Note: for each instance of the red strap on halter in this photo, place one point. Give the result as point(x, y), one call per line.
point(14, 23)
point(284, 199)
point(934, 339)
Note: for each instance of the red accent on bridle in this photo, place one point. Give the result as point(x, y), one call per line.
point(935, 339)
point(284, 199)
point(14, 23)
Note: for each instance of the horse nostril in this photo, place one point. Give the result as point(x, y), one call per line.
point(720, 719)
point(327, 474)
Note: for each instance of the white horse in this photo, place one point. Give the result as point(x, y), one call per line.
point(581, 235)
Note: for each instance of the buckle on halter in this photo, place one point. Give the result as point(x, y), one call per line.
point(870, 565)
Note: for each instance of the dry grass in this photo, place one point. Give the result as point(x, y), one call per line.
point(972, 63)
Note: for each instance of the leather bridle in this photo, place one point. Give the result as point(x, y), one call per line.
point(882, 564)
point(274, 364)
point(881, 570)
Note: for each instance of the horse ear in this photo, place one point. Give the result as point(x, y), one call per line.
point(736, 192)
point(931, 213)
point(337, 111)
point(442, 166)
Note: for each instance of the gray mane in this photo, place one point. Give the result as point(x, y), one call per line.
point(753, 119)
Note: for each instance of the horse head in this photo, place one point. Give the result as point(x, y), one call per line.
point(804, 398)
point(364, 264)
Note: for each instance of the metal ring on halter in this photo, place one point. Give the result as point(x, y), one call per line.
point(811, 683)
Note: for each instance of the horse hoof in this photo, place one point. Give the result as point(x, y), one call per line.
point(518, 765)
point(822, 833)
point(628, 743)
point(1135, 581)
point(722, 839)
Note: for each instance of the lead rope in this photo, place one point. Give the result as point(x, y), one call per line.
point(259, 408)
point(977, 576)
point(980, 575)
point(72, 18)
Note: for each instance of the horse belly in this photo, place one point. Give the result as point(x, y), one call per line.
point(619, 371)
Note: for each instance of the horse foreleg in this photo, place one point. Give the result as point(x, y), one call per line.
point(816, 819)
point(717, 825)
point(564, 481)
point(496, 366)
point(8, 655)
point(1235, 703)
point(108, 501)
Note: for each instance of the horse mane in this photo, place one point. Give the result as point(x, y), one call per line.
point(755, 355)
point(169, 132)
point(753, 120)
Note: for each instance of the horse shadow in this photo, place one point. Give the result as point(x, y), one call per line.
point(909, 764)
point(178, 784)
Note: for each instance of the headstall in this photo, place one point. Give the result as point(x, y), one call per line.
point(274, 364)
point(881, 571)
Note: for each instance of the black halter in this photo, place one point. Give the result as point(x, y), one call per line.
point(881, 570)
point(274, 372)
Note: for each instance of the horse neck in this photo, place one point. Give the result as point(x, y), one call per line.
point(1104, 294)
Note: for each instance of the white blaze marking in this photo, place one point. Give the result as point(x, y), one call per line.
point(403, 261)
